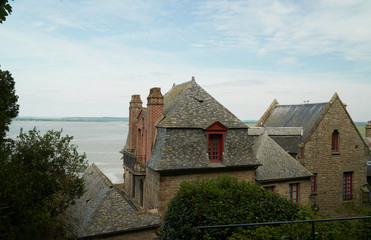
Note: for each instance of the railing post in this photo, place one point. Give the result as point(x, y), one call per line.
point(313, 232)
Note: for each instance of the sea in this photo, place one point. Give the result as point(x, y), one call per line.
point(101, 141)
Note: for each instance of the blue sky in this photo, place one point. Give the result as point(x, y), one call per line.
point(86, 58)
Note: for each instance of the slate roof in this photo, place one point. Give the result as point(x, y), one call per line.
point(103, 209)
point(276, 131)
point(189, 106)
point(302, 115)
point(186, 149)
point(277, 164)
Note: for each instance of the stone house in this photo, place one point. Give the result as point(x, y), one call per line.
point(331, 148)
point(367, 139)
point(186, 134)
point(311, 153)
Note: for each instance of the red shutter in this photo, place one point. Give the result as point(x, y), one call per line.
point(347, 186)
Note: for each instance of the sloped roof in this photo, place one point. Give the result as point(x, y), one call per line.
point(277, 164)
point(302, 115)
point(189, 106)
point(177, 148)
point(104, 209)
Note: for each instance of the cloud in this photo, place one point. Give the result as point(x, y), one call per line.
point(296, 27)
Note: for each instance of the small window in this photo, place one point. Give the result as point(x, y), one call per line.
point(270, 188)
point(294, 192)
point(347, 186)
point(215, 141)
point(313, 181)
point(215, 147)
point(335, 142)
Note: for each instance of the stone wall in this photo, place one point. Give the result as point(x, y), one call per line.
point(169, 185)
point(151, 189)
point(283, 189)
point(330, 166)
point(128, 182)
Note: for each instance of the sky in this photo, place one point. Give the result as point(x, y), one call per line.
point(74, 58)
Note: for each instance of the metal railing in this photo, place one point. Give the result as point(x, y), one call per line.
point(134, 162)
point(203, 228)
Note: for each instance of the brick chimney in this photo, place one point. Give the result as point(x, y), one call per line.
point(134, 110)
point(368, 129)
point(155, 106)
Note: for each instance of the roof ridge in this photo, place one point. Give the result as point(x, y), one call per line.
point(299, 104)
point(104, 178)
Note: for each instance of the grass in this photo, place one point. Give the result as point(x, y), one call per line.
point(362, 130)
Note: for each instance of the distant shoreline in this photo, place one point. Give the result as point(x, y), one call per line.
point(74, 119)
point(110, 119)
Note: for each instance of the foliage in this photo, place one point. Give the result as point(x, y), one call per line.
point(40, 177)
point(336, 230)
point(8, 102)
point(221, 201)
point(5, 10)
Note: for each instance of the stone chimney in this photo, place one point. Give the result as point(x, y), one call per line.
point(134, 110)
point(155, 107)
point(368, 129)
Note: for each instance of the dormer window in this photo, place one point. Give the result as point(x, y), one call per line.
point(215, 141)
point(335, 141)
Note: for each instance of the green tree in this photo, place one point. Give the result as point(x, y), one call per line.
point(5, 10)
point(8, 102)
point(222, 201)
point(40, 177)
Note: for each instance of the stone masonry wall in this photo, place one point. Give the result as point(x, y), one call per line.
point(283, 188)
point(169, 185)
point(318, 158)
point(151, 189)
point(128, 177)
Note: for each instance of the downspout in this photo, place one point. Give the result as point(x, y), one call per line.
point(362, 192)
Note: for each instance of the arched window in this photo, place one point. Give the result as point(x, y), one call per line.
point(335, 141)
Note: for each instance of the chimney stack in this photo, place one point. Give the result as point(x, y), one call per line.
point(155, 106)
point(134, 110)
point(368, 129)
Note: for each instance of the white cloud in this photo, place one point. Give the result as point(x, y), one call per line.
point(323, 27)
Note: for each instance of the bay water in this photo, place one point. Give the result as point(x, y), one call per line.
point(101, 141)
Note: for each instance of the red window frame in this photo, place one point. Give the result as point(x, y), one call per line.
point(294, 192)
point(347, 186)
point(270, 188)
point(313, 183)
point(335, 141)
point(215, 135)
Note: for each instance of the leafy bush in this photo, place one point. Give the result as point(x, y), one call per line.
point(225, 200)
point(40, 177)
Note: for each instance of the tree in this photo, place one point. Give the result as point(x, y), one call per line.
point(8, 102)
point(5, 10)
point(222, 201)
point(40, 177)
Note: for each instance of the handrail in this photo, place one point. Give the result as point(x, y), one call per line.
point(134, 162)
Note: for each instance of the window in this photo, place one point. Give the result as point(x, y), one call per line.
point(294, 192)
point(270, 188)
point(335, 141)
point(215, 147)
point(313, 181)
point(347, 186)
point(215, 141)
